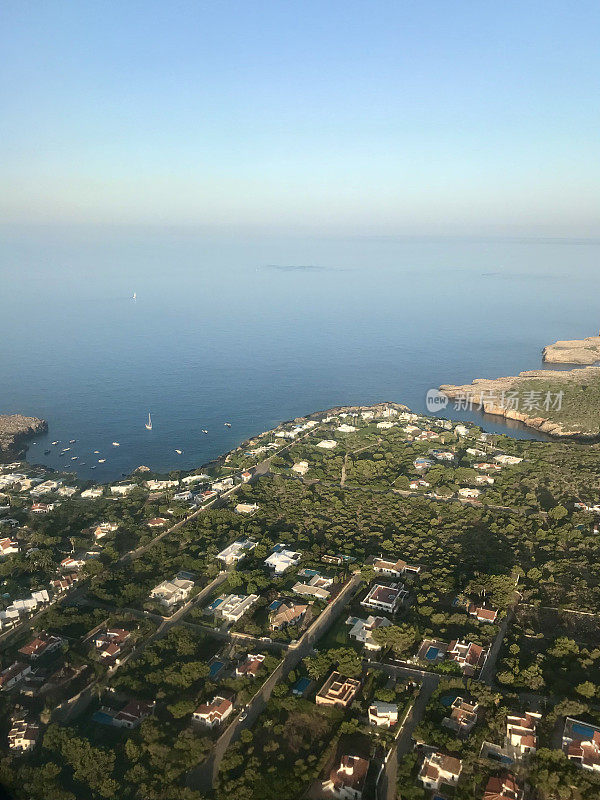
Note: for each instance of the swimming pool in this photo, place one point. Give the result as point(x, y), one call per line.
point(585, 731)
point(215, 668)
point(432, 654)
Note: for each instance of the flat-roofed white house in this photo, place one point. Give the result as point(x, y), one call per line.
point(282, 559)
point(384, 715)
point(246, 508)
point(169, 593)
point(123, 488)
point(232, 607)
point(236, 551)
point(362, 630)
point(327, 444)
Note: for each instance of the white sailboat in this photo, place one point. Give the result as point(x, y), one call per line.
point(134, 296)
point(149, 423)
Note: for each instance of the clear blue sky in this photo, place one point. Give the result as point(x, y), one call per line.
point(390, 117)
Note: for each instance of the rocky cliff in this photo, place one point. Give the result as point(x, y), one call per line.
point(573, 351)
point(577, 417)
point(14, 428)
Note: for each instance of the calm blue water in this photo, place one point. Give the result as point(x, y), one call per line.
point(256, 330)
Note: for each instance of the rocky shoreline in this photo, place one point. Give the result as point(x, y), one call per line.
point(489, 389)
point(573, 351)
point(14, 429)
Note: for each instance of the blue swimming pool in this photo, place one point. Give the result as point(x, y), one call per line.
point(448, 699)
point(432, 654)
point(585, 731)
point(215, 668)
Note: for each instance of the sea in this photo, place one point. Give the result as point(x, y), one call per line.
point(253, 329)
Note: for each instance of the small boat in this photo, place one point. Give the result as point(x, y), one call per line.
point(116, 444)
point(204, 431)
point(149, 423)
point(61, 454)
point(96, 452)
point(134, 296)
point(179, 452)
point(101, 460)
point(83, 463)
point(93, 467)
point(228, 424)
point(47, 452)
point(65, 449)
point(54, 443)
point(72, 441)
point(74, 458)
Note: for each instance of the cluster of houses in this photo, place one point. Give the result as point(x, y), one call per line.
point(111, 643)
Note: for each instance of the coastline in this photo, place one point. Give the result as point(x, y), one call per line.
point(15, 429)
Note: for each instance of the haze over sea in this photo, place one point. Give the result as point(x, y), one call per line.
point(257, 329)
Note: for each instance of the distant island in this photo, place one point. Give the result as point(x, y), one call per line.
point(14, 428)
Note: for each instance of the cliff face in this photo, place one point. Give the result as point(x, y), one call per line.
point(579, 413)
point(14, 428)
point(573, 351)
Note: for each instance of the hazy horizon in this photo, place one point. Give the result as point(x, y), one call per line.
point(386, 119)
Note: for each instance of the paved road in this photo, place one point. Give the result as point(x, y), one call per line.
point(386, 789)
point(203, 777)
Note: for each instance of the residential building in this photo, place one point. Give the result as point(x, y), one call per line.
point(42, 645)
point(246, 508)
point(419, 484)
point(110, 644)
point(123, 489)
point(287, 614)
point(250, 667)
point(347, 781)
point(482, 614)
point(301, 468)
point(13, 674)
point(236, 551)
point(92, 494)
point(232, 607)
point(502, 458)
point(72, 563)
point(468, 655)
point(222, 485)
point(362, 630)
point(463, 716)
point(157, 522)
point(315, 587)
point(393, 568)
point(169, 593)
point(385, 598)
point(23, 735)
point(41, 508)
point(521, 738)
point(130, 716)
point(468, 492)
point(246, 476)
point(422, 463)
point(581, 744)
point(503, 787)
point(8, 547)
point(158, 486)
point(344, 428)
point(337, 691)
point(327, 444)
point(439, 768)
point(484, 479)
point(282, 559)
point(61, 585)
point(212, 714)
point(384, 715)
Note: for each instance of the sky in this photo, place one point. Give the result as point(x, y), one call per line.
point(381, 117)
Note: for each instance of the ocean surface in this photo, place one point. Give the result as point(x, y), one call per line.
point(254, 330)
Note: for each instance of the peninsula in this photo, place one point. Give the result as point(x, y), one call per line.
point(573, 351)
point(556, 402)
point(14, 428)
